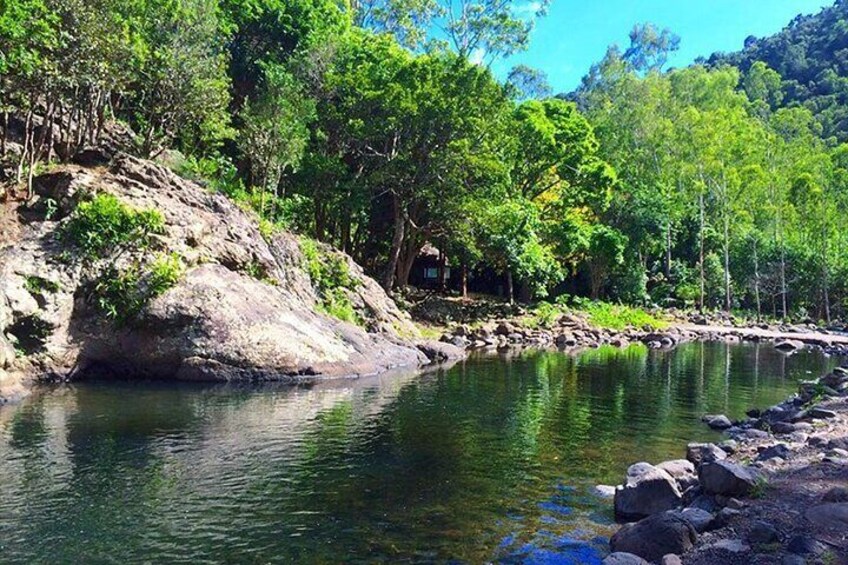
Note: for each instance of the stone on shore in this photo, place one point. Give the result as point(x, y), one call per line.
point(647, 490)
point(789, 345)
point(729, 479)
point(700, 519)
point(655, 536)
point(699, 453)
point(622, 558)
point(682, 471)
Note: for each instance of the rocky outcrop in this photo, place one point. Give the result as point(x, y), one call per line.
point(244, 307)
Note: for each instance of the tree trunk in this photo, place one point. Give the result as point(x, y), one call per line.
point(757, 282)
point(442, 264)
point(509, 287)
point(825, 275)
point(701, 251)
point(668, 251)
point(783, 299)
point(397, 242)
point(726, 263)
point(464, 280)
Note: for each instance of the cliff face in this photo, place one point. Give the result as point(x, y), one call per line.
point(243, 306)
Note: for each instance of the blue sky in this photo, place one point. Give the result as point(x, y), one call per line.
point(576, 33)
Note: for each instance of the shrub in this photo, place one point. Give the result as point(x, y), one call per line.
point(619, 317)
point(330, 278)
point(104, 224)
point(121, 295)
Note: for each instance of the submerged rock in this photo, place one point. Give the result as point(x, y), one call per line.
point(622, 558)
point(717, 422)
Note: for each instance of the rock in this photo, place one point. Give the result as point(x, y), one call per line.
point(726, 516)
point(623, 558)
point(762, 533)
point(655, 536)
point(705, 502)
point(729, 446)
point(788, 428)
point(717, 422)
point(805, 545)
point(777, 450)
point(244, 309)
point(438, 351)
point(682, 471)
point(671, 559)
point(817, 413)
point(647, 490)
point(792, 559)
point(734, 546)
point(700, 519)
point(604, 491)
point(459, 342)
point(832, 515)
point(699, 453)
point(723, 477)
point(788, 345)
point(836, 494)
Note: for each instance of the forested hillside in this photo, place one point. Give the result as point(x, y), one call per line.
point(367, 126)
point(811, 56)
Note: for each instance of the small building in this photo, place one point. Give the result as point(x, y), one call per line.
point(430, 269)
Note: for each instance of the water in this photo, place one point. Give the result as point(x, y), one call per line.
point(493, 459)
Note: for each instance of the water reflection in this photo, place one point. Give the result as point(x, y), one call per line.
point(491, 459)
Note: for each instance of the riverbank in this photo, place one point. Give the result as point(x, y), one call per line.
point(774, 491)
point(487, 324)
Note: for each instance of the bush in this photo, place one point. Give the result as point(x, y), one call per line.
point(104, 224)
point(121, 295)
point(331, 279)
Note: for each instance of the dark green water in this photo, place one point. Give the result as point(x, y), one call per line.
point(493, 459)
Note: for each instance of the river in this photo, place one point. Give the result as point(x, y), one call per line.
point(493, 459)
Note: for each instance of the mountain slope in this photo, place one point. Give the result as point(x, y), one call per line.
point(811, 55)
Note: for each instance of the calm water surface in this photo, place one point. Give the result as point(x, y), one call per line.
point(490, 460)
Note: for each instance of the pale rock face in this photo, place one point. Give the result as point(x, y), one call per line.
point(217, 323)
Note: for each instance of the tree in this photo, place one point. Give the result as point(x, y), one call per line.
point(275, 129)
point(526, 82)
point(650, 47)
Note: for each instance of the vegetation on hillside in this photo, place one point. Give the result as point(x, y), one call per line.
point(359, 124)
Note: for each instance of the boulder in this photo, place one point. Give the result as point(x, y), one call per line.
point(438, 351)
point(655, 536)
point(717, 422)
point(762, 533)
point(788, 345)
point(831, 515)
point(682, 471)
point(818, 413)
point(729, 479)
point(647, 490)
point(671, 559)
point(699, 453)
point(700, 519)
point(780, 450)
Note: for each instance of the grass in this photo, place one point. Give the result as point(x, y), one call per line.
point(599, 314)
point(38, 285)
point(760, 488)
point(619, 317)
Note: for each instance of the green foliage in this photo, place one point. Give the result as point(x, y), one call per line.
point(619, 316)
point(38, 285)
point(331, 279)
point(104, 225)
point(122, 294)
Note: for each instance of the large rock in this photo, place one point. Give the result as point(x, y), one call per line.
point(682, 471)
point(717, 421)
point(647, 490)
point(244, 308)
point(655, 536)
point(726, 478)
